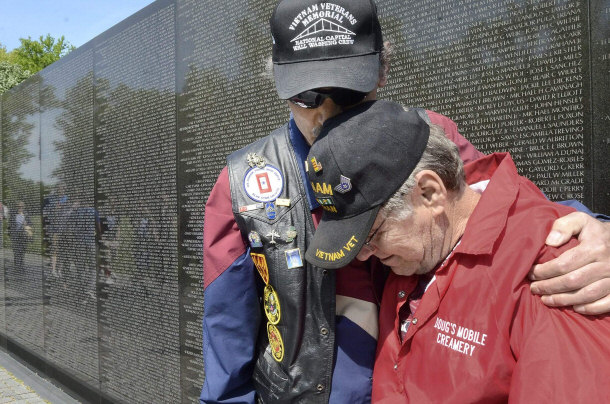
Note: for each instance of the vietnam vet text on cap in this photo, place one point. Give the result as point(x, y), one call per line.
point(364, 155)
point(325, 44)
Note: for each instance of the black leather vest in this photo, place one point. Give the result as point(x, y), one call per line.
point(306, 293)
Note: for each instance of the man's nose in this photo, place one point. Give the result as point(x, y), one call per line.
point(366, 252)
point(327, 110)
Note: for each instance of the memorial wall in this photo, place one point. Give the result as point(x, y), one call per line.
point(109, 154)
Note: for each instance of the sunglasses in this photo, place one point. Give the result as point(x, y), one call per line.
point(314, 98)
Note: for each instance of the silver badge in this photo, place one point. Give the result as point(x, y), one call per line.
point(254, 160)
point(272, 236)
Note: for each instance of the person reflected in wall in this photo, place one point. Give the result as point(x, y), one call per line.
point(109, 243)
point(146, 241)
point(53, 209)
point(85, 229)
point(21, 233)
point(320, 345)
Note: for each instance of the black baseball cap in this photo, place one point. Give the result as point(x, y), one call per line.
point(320, 44)
point(360, 159)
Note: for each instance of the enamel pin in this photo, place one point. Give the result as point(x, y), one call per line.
point(255, 240)
point(293, 258)
point(345, 186)
point(317, 166)
point(270, 210)
point(291, 234)
point(254, 206)
point(282, 202)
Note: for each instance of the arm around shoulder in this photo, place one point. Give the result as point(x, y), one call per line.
point(580, 277)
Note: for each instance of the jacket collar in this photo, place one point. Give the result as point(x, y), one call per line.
point(488, 219)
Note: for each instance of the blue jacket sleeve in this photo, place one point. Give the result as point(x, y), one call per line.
point(582, 208)
point(230, 327)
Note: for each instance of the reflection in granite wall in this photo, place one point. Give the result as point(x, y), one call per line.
point(113, 150)
point(136, 194)
point(21, 193)
point(69, 217)
point(3, 223)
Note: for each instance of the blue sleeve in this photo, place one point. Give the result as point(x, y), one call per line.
point(582, 208)
point(231, 321)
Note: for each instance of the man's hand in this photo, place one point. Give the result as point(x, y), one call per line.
point(580, 277)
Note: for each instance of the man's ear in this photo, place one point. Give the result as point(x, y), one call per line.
point(431, 191)
point(384, 70)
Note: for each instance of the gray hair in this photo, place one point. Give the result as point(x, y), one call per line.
point(441, 156)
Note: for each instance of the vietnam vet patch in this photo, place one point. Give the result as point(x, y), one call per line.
point(263, 184)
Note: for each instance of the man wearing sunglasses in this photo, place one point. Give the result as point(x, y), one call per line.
point(276, 328)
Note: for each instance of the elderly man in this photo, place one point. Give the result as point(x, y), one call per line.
point(458, 322)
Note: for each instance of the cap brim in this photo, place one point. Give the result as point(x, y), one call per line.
point(359, 73)
point(337, 242)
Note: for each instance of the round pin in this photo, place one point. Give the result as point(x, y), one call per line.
point(275, 340)
point(271, 305)
point(263, 184)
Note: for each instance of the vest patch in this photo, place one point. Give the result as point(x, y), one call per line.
point(260, 262)
point(263, 184)
point(276, 342)
point(272, 305)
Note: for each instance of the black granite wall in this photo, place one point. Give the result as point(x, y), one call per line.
point(113, 150)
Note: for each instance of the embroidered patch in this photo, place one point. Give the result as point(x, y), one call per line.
point(271, 305)
point(323, 188)
point(345, 186)
point(293, 258)
point(331, 256)
point(260, 262)
point(275, 340)
point(326, 26)
point(263, 184)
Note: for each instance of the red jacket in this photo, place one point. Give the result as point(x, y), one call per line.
point(478, 334)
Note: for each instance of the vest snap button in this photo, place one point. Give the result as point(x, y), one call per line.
point(414, 321)
point(401, 294)
point(324, 331)
point(320, 387)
